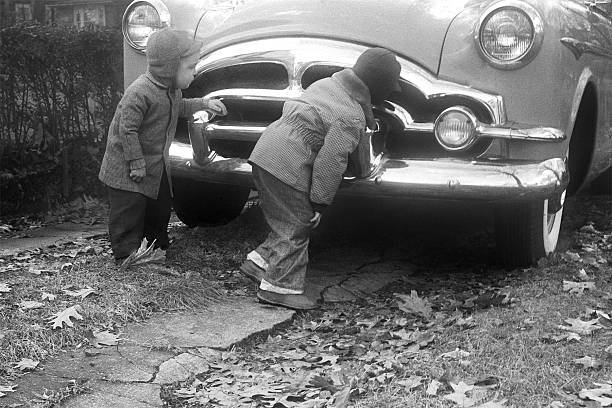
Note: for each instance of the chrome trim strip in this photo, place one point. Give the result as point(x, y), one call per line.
point(578, 48)
point(297, 54)
point(512, 131)
point(538, 33)
point(251, 133)
point(439, 179)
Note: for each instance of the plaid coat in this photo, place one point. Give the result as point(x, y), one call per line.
point(141, 132)
point(308, 148)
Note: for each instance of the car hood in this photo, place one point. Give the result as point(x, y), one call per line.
point(414, 29)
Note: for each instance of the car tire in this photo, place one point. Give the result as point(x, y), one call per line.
point(603, 183)
point(198, 203)
point(526, 232)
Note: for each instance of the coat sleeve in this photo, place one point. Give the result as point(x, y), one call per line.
point(190, 106)
point(133, 109)
point(330, 164)
point(360, 158)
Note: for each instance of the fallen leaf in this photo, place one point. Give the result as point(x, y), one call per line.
point(341, 398)
point(581, 327)
point(455, 354)
point(582, 275)
point(4, 288)
point(411, 382)
point(144, 255)
point(48, 296)
point(26, 364)
point(601, 394)
point(30, 304)
point(59, 318)
point(413, 304)
point(82, 293)
point(588, 362)
point(102, 338)
point(493, 404)
point(458, 396)
point(7, 388)
point(488, 383)
point(432, 388)
point(577, 288)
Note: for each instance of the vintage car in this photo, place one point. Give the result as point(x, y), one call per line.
point(505, 102)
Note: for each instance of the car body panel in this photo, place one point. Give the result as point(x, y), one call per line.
point(359, 21)
point(549, 89)
point(436, 41)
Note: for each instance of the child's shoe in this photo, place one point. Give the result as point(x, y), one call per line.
point(252, 271)
point(295, 302)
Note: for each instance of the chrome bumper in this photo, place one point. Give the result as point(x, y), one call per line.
point(428, 179)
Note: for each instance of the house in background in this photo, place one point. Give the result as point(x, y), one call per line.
point(83, 13)
point(78, 13)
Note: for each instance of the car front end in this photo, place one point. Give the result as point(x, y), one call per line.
point(476, 118)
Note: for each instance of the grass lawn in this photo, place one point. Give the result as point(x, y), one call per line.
point(467, 337)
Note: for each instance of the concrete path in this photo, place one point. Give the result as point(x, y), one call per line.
point(47, 236)
point(172, 347)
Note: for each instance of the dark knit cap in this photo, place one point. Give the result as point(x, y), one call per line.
point(165, 49)
point(380, 71)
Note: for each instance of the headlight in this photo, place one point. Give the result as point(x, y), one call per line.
point(456, 128)
point(510, 34)
point(141, 19)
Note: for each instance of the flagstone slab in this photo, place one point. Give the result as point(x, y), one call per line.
point(116, 395)
point(126, 363)
point(227, 323)
point(180, 368)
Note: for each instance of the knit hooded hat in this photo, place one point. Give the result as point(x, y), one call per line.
point(380, 71)
point(165, 49)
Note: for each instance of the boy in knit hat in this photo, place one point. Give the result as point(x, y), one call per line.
point(298, 164)
point(135, 164)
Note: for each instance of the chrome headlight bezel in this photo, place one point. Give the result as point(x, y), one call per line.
point(471, 120)
point(158, 6)
point(537, 25)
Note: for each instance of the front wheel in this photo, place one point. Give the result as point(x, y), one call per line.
point(198, 203)
point(526, 232)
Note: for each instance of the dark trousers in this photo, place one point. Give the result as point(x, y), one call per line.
point(287, 212)
point(134, 216)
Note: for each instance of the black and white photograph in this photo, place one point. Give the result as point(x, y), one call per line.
point(305, 203)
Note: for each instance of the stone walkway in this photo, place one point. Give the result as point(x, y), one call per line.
point(172, 347)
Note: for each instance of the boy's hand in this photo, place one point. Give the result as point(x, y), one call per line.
point(217, 107)
point(315, 220)
point(138, 174)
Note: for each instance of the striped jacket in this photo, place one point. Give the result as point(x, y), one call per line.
point(141, 132)
point(309, 146)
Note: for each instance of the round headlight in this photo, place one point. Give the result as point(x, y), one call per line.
point(510, 34)
point(141, 19)
point(456, 128)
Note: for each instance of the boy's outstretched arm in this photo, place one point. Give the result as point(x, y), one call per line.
point(360, 158)
point(190, 106)
point(331, 161)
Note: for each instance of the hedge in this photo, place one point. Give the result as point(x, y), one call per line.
point(59, 87)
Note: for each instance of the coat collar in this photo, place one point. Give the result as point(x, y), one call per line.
point(358, 91)
point(156, 81)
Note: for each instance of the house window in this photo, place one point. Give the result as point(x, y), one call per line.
point(23, 12)
point(89, 15)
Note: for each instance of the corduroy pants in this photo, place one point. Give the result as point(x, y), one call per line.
point(287, 212)
point(133, 216)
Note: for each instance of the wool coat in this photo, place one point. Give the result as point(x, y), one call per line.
point(308, 148)
point(141, 132)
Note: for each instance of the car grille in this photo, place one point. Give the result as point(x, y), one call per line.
point(254, 89)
